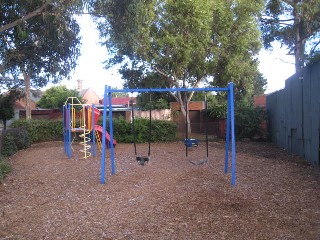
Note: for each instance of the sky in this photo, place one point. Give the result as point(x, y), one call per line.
point(275, 65)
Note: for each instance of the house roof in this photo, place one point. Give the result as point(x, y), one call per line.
point(83, 91)
point(34, 96)
point(90, 95)
point(21, 104)
point(122, 101)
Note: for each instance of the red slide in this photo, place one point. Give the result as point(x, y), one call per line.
point(99, 129)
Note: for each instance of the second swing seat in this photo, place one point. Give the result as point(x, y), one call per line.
point(142, 160)
point(190, 142)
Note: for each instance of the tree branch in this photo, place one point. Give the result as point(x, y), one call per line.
point(25, 18)
point(166, 76)
point(279, 21)
point(194, 86)
point(314, 48)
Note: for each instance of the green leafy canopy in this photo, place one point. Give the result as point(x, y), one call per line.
point(184, 42)
point(55, 97)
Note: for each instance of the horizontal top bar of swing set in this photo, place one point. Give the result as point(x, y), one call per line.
point(110, 90)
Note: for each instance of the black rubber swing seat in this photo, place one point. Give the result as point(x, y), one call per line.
point(199, 161)
point(142, 160)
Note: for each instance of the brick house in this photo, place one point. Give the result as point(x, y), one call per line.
point(20, 105)
point(89, 95)
point(260, 100)
point(121, 102)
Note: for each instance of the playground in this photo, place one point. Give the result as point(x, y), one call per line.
point(51, 196)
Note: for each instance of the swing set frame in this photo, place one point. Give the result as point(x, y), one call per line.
point(230, 130)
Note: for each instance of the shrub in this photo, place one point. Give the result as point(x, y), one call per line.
point(41, 130)
point(218, 111)
point(21, 137)
point(9, 146)
point(162, 131)
point(5, 168)
point(248, 120)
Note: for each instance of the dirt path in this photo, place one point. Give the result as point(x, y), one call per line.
point(49, 196)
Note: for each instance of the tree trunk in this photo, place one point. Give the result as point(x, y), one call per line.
point(299, 43)
point(27, 94)
point(186, 115)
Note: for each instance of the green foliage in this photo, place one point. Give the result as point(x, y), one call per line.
point(9, 146)
point(156, 104)
point(44, 48)
point(119, 94)
point(55, 97)
point(5, 168)
point(22, 139)
point(42, 130)
point(162, 131)
point(6, 108)
point(122, 130)
point(248, 120)
point(20, 136)
point(260, 84)
point(184, 42)
point(136, 78)
point(218, 111)
point(7, 105)
point(295, 24)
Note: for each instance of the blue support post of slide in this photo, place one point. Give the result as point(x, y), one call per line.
point(94, 149)
point(103, 154)
point(69, 130)
point(111, 132)
point(64, 128)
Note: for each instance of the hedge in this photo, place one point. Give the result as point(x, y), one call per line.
point(162, 131)
point(41, 130)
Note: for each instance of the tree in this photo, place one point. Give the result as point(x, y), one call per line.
point(260, 84)
point(120, 94)
point(136, 78)
point(184, 42)
point(41, 50)
point(55, 97)
point(296, 25)
point(7, 105)
point(43, 8)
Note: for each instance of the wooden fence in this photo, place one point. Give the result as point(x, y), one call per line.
point(294, 114)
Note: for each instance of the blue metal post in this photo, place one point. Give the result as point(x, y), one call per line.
point(103, 154)
point(226, 164)
point(139, 90)
point(230, 124)
point(69, 131)
point(64, 129)
point(94, 148)
point(111, 133)
point(233, 140)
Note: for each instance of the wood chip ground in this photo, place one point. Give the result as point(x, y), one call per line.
point(50, 196)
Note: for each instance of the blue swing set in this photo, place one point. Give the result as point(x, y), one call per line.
point(230, 130)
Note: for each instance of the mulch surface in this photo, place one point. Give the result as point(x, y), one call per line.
point(50, 196)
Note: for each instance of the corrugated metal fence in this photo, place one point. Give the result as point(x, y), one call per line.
point(294, 114)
